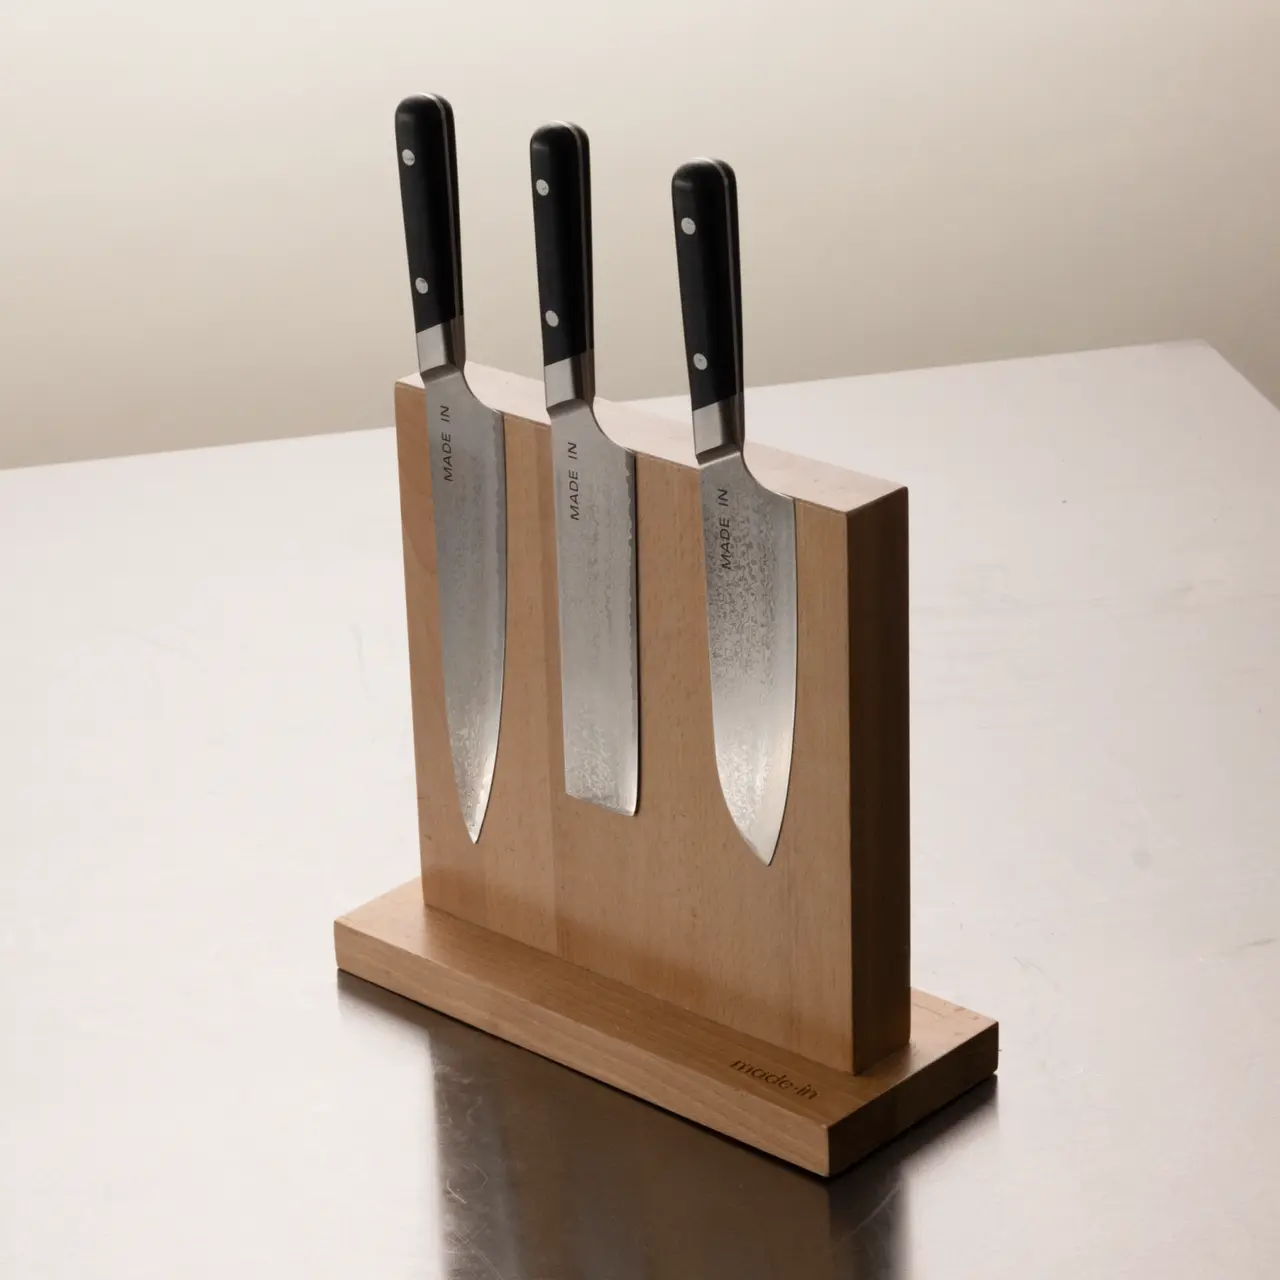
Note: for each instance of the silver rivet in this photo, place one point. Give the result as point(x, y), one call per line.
point(420, 284)
point(552, 319)
point(699, 360)
point(407, 156)
point(688, 226)
point(542, 187)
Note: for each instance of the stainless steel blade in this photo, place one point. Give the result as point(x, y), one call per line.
point(595, 517)
point(468, 490)
point(749, 543)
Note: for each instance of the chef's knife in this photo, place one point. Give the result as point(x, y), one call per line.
point(595, 502)
point(466, 443)
point(748, 532)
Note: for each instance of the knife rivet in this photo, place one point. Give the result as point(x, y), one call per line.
point(542, 187)
point(407, 156)
point(552, 319)
point(699, 360)
point(420, 284)
point(688, 226)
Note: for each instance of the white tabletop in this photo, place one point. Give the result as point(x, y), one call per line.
point(205, 755)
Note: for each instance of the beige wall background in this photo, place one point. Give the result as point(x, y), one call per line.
point(199, 217)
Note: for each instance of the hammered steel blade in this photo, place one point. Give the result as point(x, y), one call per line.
point(749, 547)
point(595, 496)
point(596, 571)
point(468, 487)
point(748, 531)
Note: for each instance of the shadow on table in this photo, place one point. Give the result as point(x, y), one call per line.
point(545, 1174)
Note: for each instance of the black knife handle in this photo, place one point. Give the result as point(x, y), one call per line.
point(427, 156)
point(704, 199)
point(560, 169)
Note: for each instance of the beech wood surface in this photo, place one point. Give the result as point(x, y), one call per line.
point(810, 953)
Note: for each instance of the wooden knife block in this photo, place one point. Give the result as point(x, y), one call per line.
point(656, 952)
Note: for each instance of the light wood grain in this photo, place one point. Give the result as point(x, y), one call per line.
point(880, 760)
point(799, 1110)
point(810, 953)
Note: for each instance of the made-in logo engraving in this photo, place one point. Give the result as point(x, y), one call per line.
point(574, 486)
point(778, 1079)
point(724, 533)
point(446, 449)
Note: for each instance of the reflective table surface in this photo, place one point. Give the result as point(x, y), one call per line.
point(205, 755)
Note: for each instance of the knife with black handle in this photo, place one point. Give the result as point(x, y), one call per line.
point(595, 502)
point(467, 449)
point(748, 531)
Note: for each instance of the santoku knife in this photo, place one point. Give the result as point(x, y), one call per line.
point(595, 505)
point(748, 532)
point(466, 443)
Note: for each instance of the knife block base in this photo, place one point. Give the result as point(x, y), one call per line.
point(789, 1106)
point(656, 952)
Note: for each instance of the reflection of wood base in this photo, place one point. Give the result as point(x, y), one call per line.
point(801, 1111)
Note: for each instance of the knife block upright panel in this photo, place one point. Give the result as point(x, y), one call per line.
point(588, 933)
